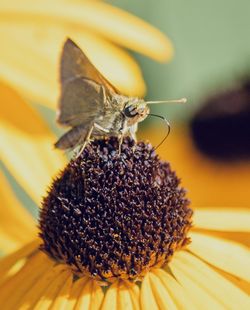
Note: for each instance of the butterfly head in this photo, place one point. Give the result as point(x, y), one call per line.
point(135, 110)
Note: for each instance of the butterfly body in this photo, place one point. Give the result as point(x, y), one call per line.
point(90, 105)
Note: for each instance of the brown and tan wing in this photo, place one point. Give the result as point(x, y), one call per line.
point(81, 101)
point(74, 63)
point(83, 88)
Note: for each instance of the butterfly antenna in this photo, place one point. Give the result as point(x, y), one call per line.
point(182, 100)
point(168, 125)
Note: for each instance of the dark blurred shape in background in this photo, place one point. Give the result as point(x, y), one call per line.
point(221, 126)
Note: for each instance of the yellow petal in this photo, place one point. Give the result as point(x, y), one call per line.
point(27, 144)
point(90, 297)
point(134, 293)
point(224, 291)
point(128, 297)
point(36, 292)
point(242, 284)
point(9, 261)
point(36, 75)
point(199, 296)
point(12, 290)
point(75, 292)
point(84, 299)
point(161, 295)
point(124, 299)
point(111, 296)
point(17, 226)
point(61, 300)
point(97, 296)
point(147, 299)
point(113, 23)
point(222, 219)
point(61, 274)
point(176, 291)
point(224, 254)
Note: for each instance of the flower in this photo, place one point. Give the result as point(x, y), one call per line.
point(206, 274)
point(110, 215)
point(38, 30)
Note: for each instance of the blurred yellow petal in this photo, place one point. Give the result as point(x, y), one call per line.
point(223, 290)
point(9, 261)
point(161, 295)
point(113, 23)
point(147, 299)
point(12, 290)
point(40, 292)
point(222, 219)
point(27, 144)
point(36, 74)
point(176, 291)
point(17, 226)
point(32, 296)
point(61, 274)
point(61, 300)
point(199, 296)
point(224, 254)
point(111, 296)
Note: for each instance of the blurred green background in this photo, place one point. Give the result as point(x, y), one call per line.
point(212, 48)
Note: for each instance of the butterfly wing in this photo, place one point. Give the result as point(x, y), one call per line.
point(84, 89)
point(75, 63)
point(81, 101)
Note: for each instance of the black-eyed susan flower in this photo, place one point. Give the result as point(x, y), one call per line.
point(37, 30)
point(111, 216)
point(115, 235)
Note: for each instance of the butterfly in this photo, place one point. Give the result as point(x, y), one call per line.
point(90, 105)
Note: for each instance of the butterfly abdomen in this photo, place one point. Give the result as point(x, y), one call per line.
point(72, 138)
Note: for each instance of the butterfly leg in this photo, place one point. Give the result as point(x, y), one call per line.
point(88, 136)
point(120, 140)
point(97, 126)
point(86, 140)
point(121, 135)
point(132, 132)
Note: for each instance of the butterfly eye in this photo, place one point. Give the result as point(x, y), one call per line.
point(130, 111)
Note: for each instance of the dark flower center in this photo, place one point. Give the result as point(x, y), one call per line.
point(109, 215)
